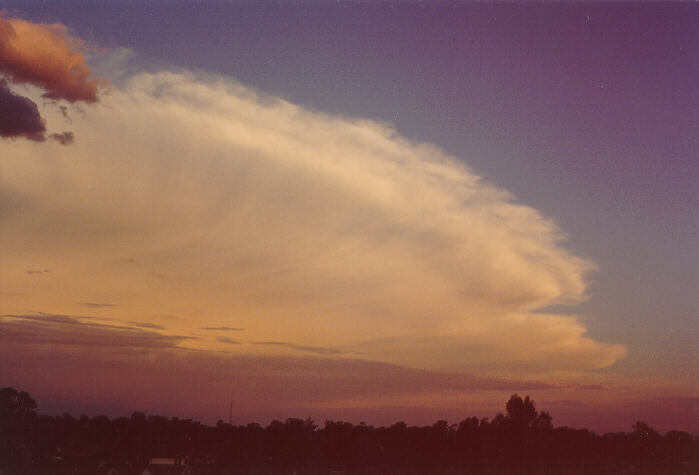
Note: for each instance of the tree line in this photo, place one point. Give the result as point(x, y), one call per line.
point(522, 440)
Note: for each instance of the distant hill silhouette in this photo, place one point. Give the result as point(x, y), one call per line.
point(522, 440)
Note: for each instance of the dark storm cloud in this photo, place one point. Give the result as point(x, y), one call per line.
point(19, 116)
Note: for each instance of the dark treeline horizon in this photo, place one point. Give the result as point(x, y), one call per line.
point(522, 440)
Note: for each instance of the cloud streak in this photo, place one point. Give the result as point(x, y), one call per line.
point(152, 326)
point(318, 350)
point(96, 305)
point(66, 330)
point(229, 341)
point(36, 271)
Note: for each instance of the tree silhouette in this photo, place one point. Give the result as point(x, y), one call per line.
point(522, 440)
point(17, 414)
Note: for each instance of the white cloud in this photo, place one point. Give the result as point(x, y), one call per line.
point(299, 226)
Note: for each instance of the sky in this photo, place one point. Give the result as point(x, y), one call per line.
point(367, 212)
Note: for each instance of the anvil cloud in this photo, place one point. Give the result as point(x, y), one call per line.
point(192, 201)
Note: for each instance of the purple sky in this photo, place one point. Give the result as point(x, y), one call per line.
point(586, 112)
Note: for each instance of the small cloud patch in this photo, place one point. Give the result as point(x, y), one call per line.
point(65, 138)
point(37, 271)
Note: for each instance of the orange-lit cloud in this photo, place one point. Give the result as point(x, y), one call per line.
point(47, 57)
point(315, 233)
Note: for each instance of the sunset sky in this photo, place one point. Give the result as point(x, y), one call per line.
point(368, 212)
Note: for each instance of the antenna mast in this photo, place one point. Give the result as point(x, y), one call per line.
point(230, 408)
